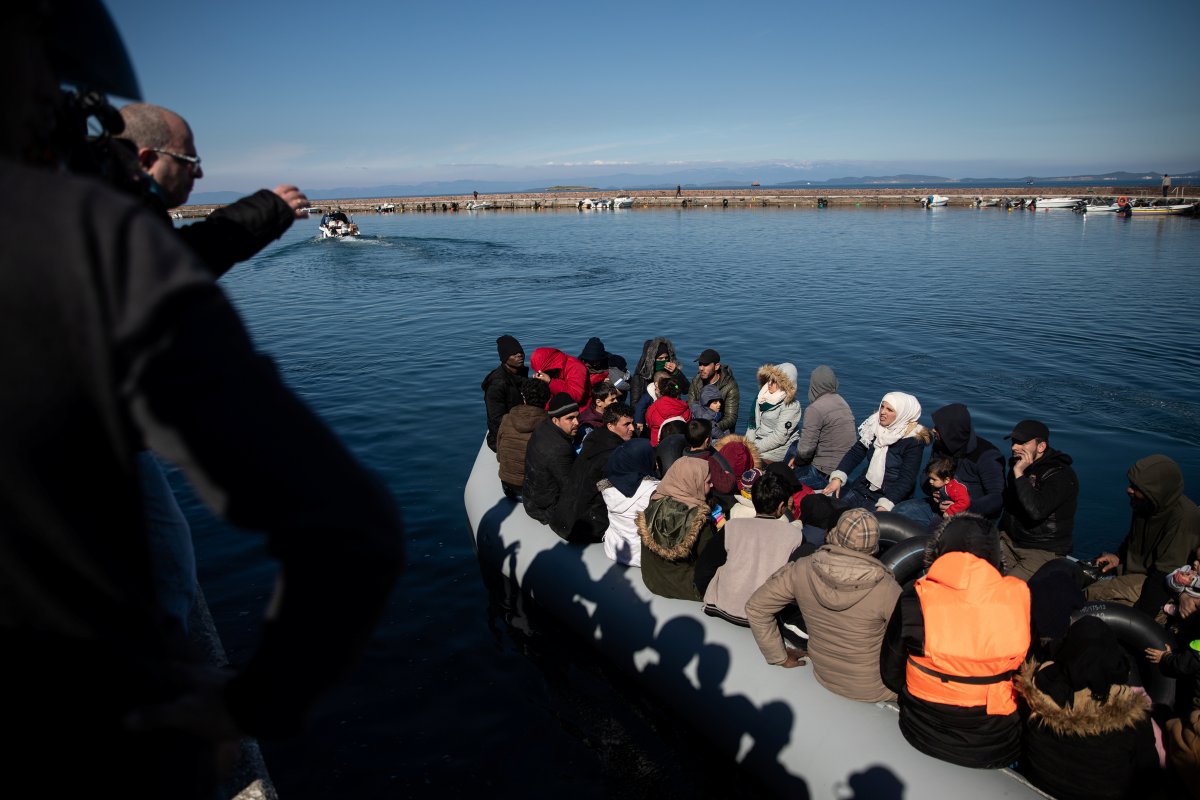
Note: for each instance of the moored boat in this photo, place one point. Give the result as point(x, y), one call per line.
point(1057, 202)
point(622, 202)
point(594, 203)
point(934, 200)
point(793, 735)
point(1159, 211)
point(479, 205)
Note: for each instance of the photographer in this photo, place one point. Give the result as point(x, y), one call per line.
point(113, 334)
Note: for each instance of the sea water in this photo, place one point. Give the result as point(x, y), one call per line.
point(1087, 323)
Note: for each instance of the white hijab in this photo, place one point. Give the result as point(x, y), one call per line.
point(874, 435)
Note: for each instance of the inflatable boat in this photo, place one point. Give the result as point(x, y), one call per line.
point(794, 736)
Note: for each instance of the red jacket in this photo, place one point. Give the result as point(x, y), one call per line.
point(958, 494)
point(662, 410)
point(572, 374)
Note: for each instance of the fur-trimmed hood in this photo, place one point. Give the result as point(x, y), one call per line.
point(669, 528)
point(728, 439)
point(783, 374)
point(1125, 707)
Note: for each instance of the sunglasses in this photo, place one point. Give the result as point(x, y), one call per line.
point(192, 161)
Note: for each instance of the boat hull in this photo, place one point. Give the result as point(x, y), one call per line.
point(780, 724)
point(1162, 211)
point(1058, 202)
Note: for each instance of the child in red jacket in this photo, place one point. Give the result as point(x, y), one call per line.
point(667, 406)
point(941, 479)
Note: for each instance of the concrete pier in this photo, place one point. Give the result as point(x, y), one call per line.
point(810, 198)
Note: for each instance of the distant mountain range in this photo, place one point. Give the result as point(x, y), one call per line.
point(775, 176)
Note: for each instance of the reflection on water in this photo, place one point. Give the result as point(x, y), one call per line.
point(1087, 324)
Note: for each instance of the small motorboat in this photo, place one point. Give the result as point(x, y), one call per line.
point(1057, 202)
point(593, 203)
point(622, 202)
point(1160, 211)
point(336, 225)
point(1097, 208)
point(386, 208)
point(981, 202)
point(479, 205)
point(934, 200)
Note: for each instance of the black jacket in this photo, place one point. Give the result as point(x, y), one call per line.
point(235, 232)
point(581, 514)
point(548, 460)
point(980, 463)
point(1039, 507)
point(501, 394)
point(114, 333)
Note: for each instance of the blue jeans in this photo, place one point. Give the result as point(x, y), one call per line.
point(917, 509)
point(854, 498)
point(172, 556)
point(812, 477)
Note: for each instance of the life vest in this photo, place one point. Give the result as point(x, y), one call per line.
point(976, 635)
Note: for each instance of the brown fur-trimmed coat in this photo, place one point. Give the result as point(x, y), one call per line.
point(1090, 750)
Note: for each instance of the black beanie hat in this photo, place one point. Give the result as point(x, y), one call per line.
point(561, 405)
point(508, 346)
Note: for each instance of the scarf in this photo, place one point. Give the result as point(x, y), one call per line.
point(684, 482)
point(768, 400)
point(872, 434)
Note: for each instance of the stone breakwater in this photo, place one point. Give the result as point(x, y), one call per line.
point(568, 200)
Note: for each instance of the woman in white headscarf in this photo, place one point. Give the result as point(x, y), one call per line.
point(892, 442)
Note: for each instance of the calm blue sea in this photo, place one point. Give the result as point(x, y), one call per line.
point(1086, 322)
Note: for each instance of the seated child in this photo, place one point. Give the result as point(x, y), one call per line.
point(941, 471)
point(604, 394)
point(709, 408)
point(667, 406)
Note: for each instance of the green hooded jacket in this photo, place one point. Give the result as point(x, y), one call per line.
point(1166, 534)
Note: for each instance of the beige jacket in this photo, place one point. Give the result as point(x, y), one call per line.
point(846, 598)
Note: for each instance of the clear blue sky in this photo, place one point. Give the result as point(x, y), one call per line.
point(362, 94)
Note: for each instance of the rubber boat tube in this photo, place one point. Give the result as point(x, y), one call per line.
point(1136, 631)
point(905, 559)
point(797, 738)
point(895, 528)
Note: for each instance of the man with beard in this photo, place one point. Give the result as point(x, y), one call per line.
point(1164, 532)
point(548, 458)
point(1039, 501)
point(712, 372)
point(581, 515)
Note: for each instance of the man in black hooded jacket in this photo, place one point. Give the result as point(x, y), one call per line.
point(980, 467)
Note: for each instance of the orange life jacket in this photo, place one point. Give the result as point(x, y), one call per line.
point(976, 635)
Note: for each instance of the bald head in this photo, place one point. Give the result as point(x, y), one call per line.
point(162, 137)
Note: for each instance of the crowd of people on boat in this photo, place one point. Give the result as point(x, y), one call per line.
point(988, 654)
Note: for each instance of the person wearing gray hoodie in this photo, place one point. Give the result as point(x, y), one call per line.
point(846, 597)
point(828, 432)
